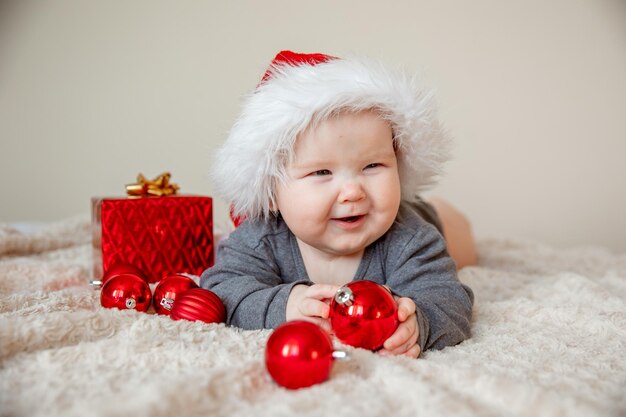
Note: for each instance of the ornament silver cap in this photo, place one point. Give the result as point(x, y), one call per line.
point(96, 284)
point(131, 303)
point(344, 296)
point(340, 355)
point(167, 303)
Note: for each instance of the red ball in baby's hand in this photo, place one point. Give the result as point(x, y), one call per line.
point(299, 354)
point(168, 289)
point(199, 304)
point(363, 314)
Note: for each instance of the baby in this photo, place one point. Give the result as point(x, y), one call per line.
point(325, 164)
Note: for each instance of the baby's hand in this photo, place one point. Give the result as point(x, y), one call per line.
point(404, 340)
point(311, 303)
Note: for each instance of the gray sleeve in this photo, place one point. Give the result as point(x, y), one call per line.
point(248, 280)
point(423, 271)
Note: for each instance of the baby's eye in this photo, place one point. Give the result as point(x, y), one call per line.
point(374, 165)
point(321, 172)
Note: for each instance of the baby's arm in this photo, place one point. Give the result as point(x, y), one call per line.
point(423, 271)
point(249, 282)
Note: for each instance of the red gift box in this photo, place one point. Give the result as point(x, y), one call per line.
point(159, 235)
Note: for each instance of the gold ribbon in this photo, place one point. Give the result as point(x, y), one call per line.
point(159, 187)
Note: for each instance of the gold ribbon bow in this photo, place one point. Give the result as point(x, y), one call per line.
point(160, 186)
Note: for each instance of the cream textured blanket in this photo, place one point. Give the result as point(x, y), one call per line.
point(549, 339)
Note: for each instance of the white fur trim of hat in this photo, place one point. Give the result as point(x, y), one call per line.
point(299, 89)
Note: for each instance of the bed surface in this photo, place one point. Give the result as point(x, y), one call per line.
point(549, 339)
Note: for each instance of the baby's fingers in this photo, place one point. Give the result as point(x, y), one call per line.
point(321, 291)
point(403, 338)
point(406, 307)
point(311, 307)
point(413, 352)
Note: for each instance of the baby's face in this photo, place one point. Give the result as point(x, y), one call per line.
point(343, 188)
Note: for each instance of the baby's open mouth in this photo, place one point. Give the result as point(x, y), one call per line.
point(350, 219)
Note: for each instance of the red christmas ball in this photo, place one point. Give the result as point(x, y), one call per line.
point(363, 314)
point(299, 354)
point(126, 291)
point(199, 304)
point(168, 289)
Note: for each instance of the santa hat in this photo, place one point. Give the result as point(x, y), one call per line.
point(300, 89)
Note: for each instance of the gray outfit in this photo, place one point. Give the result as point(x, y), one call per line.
point(259, 263)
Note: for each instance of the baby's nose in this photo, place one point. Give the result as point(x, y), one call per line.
point(351, 191)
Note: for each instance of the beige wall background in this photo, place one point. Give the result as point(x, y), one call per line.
point(93, 92)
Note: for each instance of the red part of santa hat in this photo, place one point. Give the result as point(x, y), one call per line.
point(294, 59)
point(298, 89)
